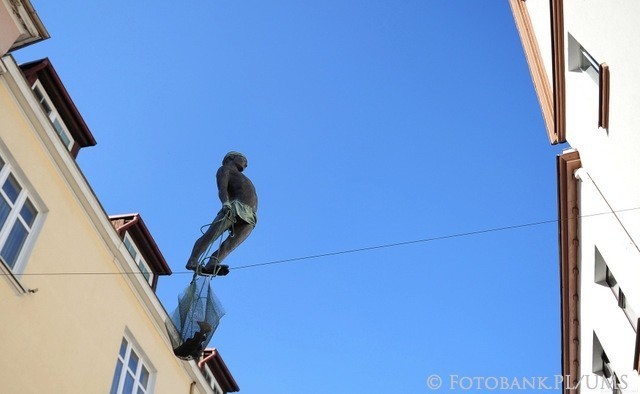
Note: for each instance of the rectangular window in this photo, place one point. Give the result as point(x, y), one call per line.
point(18, 216)
point(604, 83)
point(604, 276)
point(589, 65)
point(636, 357)
point(580, 60)
point(137, 257)
point(612, 378)
point(208, 375)
point(132, 375)
point(622, 300)
point(602, 367)
point(54, 116)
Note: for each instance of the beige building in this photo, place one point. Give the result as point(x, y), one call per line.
point(77, 287)
point(583, 57)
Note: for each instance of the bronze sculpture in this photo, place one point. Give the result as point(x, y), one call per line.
point(192, 347)
point(238, 215)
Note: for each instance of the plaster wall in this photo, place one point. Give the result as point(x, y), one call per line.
point(599, 310)
point(609, 31)
point(65, 338)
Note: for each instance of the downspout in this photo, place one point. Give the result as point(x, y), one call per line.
point(136, 219)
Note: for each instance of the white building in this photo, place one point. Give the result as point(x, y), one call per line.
point(583, 56)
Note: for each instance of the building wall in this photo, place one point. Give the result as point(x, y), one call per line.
point(608, 179)
point(65, 337)
point(609, 32)
point(599, 311)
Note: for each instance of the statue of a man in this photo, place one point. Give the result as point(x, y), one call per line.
point(238, 214)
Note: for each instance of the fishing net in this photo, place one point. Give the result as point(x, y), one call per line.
point(195, 319)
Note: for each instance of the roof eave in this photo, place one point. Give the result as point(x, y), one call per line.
point(220, 370)
point(34, 30)
point(44, 71)
point(137, 228)
point(550, 96)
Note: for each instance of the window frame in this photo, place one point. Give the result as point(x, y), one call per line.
point(601, 366)
point(589, 65)
point(636, 355)
point(621, 299)
point(604, 276)
point(141, 263)
point(8, 169)
point(53, 115)
point(122, 368)
point(211, 379)
point(580, 60)
point(610, 374)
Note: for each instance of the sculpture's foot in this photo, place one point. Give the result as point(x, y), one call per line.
point(191, 265)
point(188, 350)
point(215, 269)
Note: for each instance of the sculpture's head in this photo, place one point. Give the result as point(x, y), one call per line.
point(237, 158)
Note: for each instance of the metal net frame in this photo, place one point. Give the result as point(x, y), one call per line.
point(198, 307)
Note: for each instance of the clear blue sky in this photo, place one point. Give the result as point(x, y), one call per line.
point(365, 123)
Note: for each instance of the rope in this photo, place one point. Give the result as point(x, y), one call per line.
point(439, 238)
point(383, 246)
point(231, 217)
point(614, 213)
point(198, 272)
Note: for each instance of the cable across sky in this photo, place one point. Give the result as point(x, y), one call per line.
point(348, 251)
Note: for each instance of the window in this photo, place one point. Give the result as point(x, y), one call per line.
point(132, 376)
point(622, 300)
point(18, 217)
point(612, 378)
point(602, 367)
point(208, 375)
point(636, 356)
point(605, 277)
point(589, 65)
point(580, 60)
point(54, 116)
point(137, 257)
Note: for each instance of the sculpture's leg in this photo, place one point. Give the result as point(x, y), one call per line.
point(217, 227)
point(241, 231)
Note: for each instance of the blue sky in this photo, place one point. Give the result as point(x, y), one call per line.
point(365, 123)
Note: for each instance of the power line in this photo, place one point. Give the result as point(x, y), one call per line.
point(392, 245)
point(347, 251)
point(615, 214)
point(439, 238)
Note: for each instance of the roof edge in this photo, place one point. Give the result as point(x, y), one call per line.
point(136, 222)
point(219, 369)
point(536, 65)
point(557, 48)
point(32, 28)
point(43, 69)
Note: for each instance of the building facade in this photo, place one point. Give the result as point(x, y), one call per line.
point(77, 287)
point(582, 55)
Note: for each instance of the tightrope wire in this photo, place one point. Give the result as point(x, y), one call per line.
point(348, 251)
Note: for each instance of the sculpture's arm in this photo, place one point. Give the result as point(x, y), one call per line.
point(222, 179)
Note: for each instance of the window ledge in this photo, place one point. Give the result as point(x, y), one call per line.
point(11, 278)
